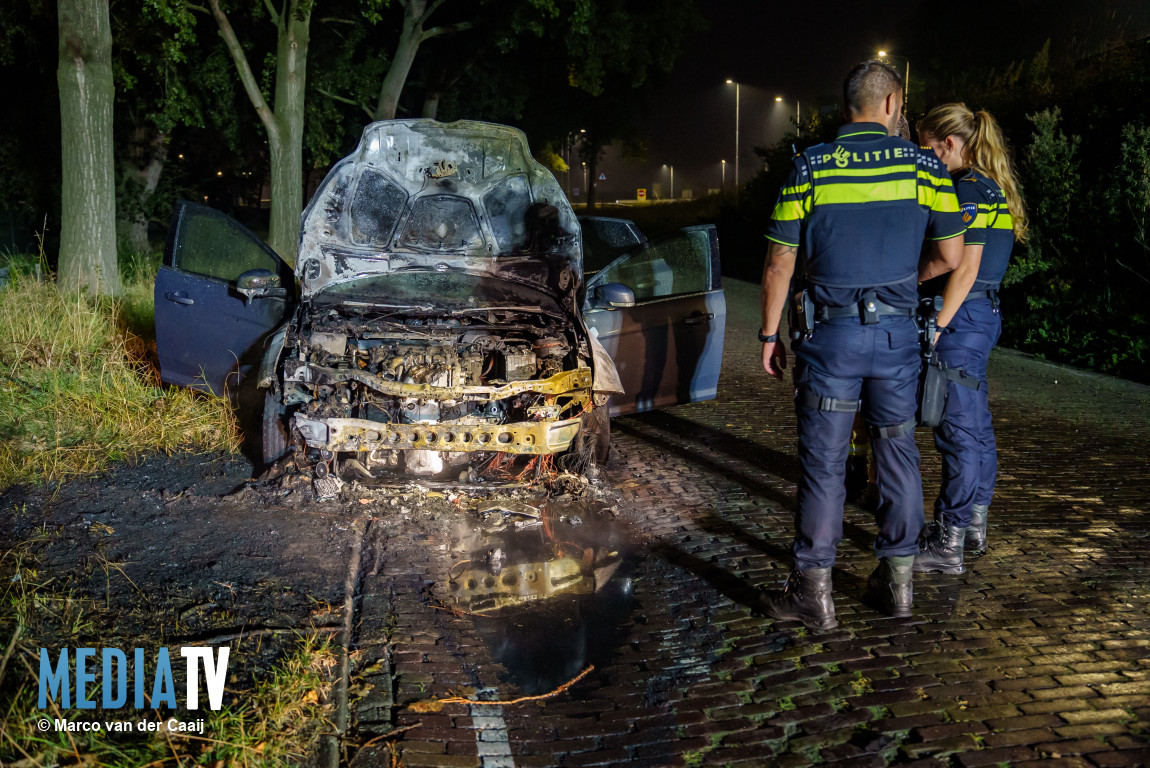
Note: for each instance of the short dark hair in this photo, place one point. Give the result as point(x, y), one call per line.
point(868, 84)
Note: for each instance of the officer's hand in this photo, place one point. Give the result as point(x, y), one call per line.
point(774, 358)
point(936, 335)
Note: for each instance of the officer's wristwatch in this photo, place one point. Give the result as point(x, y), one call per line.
point(765, 338)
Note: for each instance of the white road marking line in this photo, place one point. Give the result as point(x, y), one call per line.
point(491, 739)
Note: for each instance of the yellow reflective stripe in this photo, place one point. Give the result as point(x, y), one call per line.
point(948, 237)
point(876, 192)
point(945, 201)
point(865, 171)
point(941, 198)
point(1004, 221)
point(799, 189)
point(982, 218)
point(929, 186)
point(788, 210)
point(782, 242)
point(863, 133)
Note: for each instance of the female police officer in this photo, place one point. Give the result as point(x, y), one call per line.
point(972, 148)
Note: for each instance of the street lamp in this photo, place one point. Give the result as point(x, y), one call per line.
point(668, 165)
point(586, 187)
point(798, 115)
point(905, 81)
point(723, 178)
point(732, 82)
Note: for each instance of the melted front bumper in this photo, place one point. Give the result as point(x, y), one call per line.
point(526, 437)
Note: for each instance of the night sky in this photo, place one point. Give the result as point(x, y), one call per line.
point(801, 51)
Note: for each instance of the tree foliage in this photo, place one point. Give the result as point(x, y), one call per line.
point(615, 52)
point(154, 56)
point(200, 108)
point(30, 138)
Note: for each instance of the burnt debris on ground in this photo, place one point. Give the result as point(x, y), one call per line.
point(188, 550)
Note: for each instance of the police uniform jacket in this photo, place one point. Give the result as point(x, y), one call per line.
point(859, 208)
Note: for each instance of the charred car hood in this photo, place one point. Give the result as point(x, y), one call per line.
point(417, 196)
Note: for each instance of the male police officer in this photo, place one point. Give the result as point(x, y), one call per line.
point(858, 209)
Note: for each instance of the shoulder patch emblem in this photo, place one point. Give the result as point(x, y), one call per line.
point(969, 212)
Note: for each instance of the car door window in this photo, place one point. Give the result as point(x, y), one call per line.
point(605, 240)
point(214, 245)
point(675, 266)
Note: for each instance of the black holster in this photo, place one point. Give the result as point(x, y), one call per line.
point(801, 317)
point(931, 392)
point(932, 379)
point(927, 320)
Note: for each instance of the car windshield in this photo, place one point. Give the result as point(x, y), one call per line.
point(455, 291)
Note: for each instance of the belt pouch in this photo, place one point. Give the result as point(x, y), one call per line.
point(868, 308)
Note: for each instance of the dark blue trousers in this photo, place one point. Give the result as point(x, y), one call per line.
point(965, 438)
point(880, 363)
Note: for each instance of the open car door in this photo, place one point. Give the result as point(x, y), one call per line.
point(208, 334)
point(668, 344)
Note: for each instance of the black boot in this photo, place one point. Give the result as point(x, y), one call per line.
point(806, 597)
point(942, 551)
point(976, 531)
point(890, 587)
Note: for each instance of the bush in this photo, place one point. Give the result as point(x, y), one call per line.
point(1075, 290)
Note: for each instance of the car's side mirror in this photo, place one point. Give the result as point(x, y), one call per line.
point(614, 296)
point(259, 284)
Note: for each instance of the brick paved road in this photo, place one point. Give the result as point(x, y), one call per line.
point(1038, 655)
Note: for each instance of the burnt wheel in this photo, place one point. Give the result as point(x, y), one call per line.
point(273, 429)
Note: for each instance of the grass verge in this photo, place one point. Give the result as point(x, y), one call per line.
point(77, 390)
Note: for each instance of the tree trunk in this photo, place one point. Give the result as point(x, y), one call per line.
point(142, 170)
point(88, 184)
point(287, 145)
point(410, 36)
point(284, 125)
point(431, 104)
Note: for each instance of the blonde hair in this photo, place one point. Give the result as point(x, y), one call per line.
point(985, 151)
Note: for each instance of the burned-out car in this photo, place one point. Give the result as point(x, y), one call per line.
point(437, 322)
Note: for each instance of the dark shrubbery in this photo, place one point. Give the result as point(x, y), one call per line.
point(1076, 291)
